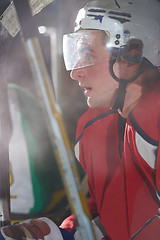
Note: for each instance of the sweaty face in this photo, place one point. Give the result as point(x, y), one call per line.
point(95, 79)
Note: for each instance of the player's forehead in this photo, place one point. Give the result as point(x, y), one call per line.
point(91, 37)
point(84, 48)
point(91, 41)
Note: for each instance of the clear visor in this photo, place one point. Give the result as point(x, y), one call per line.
point(84, 49)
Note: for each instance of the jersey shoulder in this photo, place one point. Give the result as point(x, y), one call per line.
point(146, 114)
point(91, 115)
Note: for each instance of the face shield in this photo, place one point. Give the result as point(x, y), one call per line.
point(85, 48)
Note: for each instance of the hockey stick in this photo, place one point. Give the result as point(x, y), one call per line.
point(54, 119)
point(4, 141)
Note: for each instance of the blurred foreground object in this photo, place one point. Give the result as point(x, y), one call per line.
point(9, 18)
point(36, 185)
point(56, 128)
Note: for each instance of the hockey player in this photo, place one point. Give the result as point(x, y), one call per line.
point(114, 55)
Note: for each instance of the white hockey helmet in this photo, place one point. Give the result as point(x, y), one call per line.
point(128, 24)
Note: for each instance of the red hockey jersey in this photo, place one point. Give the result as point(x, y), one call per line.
point(122, 160)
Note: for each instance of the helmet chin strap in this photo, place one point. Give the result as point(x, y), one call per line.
point(120, 97)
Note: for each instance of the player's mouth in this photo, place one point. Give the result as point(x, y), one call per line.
point(87, 90)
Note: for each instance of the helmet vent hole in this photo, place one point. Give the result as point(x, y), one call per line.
point(116, 42)
point(118, 36)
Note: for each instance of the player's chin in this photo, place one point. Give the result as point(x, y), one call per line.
point(92, 103)
point(89, 102)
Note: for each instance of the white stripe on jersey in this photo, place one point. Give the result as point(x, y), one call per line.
point(146, 150)
point(158, 196)
point(76, 150)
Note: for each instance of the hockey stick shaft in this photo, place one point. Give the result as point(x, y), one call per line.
point(55, 123)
